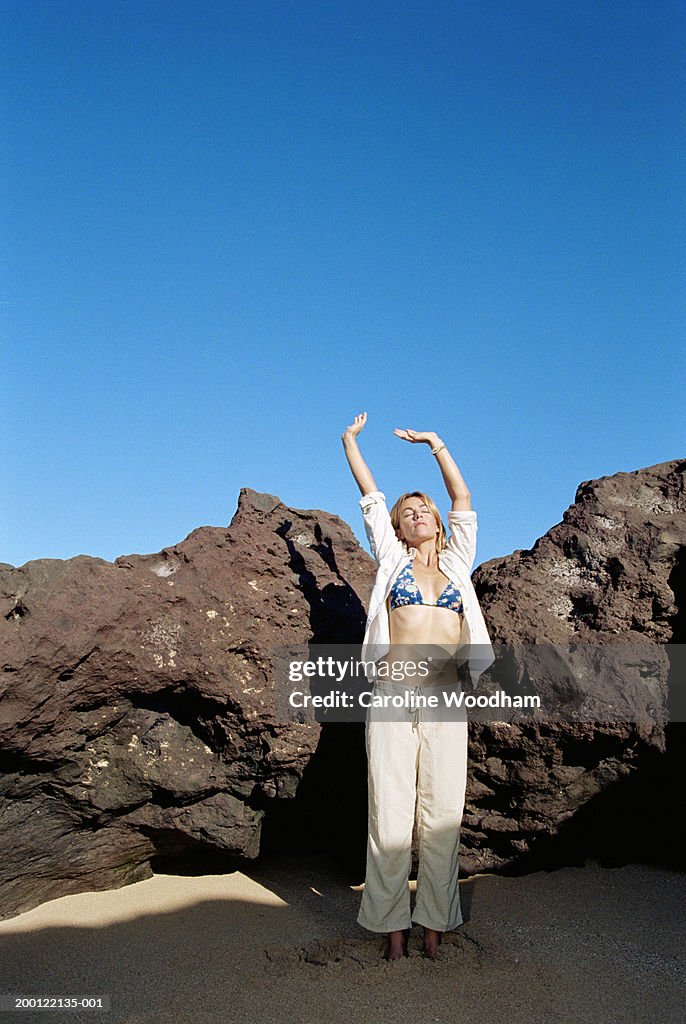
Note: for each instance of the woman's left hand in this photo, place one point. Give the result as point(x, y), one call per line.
point(417, 436)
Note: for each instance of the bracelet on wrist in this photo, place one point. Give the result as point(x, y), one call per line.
point(440, 445)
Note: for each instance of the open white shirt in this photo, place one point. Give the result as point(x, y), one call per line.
point(455, 561)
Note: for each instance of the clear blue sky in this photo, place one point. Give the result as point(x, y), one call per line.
point(230, 226)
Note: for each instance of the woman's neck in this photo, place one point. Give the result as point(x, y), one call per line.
point(427, 554)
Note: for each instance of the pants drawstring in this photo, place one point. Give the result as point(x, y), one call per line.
point(415, 714)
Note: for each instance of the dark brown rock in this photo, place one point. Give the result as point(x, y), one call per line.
point(612, 570)
point(136, 704)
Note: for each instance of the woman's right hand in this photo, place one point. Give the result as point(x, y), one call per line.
point(354, 429)
point(360, 469)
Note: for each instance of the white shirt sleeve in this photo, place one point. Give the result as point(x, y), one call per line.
point(385, 546)
point(463, 527)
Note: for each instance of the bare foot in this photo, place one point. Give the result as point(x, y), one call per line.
point(396, 947)
point(432, 940)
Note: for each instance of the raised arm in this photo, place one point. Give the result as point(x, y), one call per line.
point(359, 468)
point(456, 487)
point(385, 546)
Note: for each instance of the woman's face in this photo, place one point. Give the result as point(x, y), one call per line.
point(417, 523)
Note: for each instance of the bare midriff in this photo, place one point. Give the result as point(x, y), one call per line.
point(418, 631)
point(425, 624)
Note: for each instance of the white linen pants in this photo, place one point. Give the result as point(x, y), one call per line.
point(417, 770)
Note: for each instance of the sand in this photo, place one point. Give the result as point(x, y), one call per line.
point(280, 943)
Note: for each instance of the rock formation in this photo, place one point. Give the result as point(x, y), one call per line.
point(136, 712)
point(137, 719)
point(612, 570)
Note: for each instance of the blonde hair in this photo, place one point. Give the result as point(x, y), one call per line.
point(441, 539)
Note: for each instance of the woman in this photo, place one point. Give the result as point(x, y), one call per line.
point(423, 599)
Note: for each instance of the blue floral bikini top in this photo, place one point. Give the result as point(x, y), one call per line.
point(405, 591)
